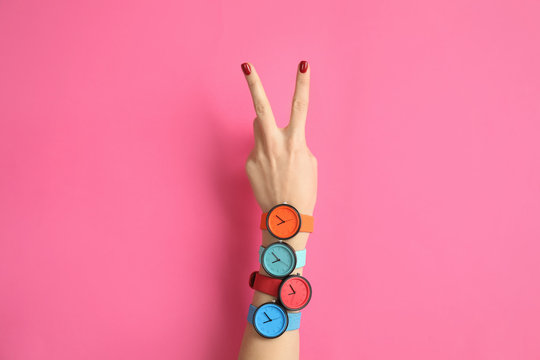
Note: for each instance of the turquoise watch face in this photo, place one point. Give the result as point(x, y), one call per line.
point(270, 320)
point(278, 260)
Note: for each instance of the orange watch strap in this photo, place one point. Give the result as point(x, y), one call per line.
point(306, 223)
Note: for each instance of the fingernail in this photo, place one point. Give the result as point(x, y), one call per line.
point(246, 68)
point(303, 66)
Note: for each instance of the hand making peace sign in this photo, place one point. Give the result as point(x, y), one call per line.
point(281, 167)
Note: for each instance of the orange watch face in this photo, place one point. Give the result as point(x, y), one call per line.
point(283, 221)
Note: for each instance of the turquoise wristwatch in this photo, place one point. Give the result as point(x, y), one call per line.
point(279, 259)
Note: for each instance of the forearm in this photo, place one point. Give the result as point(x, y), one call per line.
point(287, 346)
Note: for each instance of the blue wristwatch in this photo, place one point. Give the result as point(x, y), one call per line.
point(279, 259)
point(270, 320)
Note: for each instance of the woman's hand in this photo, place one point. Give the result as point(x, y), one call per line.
point(281, 168)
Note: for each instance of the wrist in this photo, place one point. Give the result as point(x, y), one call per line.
point(298, 242)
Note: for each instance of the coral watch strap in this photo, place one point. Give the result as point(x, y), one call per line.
point(294, 318)
point(264, 284)
point(305, 226)
point(300, 257)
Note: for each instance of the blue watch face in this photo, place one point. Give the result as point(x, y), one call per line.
point(279, 260)
point(270, 320)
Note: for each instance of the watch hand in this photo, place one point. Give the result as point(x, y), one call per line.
point(268, 317)
point(275, 261)
point(284, 221)
point(280, 218)
point(278, 259)
point(293, 292)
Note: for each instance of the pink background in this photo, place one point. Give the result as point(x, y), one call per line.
point(127, 224)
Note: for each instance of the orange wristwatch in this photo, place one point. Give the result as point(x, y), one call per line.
point(283, 222)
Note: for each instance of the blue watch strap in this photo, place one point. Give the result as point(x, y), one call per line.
point(294, 321)
point(251, 313)
point(294, 318)
point(300, 257)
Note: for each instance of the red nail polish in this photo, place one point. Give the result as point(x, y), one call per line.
point(246, 68)
point(303, 66)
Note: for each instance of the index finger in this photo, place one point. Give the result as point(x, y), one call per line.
point(260, 101)
point(300, 102)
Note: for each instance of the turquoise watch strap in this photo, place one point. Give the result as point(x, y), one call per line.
point(300, 257)
point(294, 318)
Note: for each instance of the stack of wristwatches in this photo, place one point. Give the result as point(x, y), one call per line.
point(279, 260)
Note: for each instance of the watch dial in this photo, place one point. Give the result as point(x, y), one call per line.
point(295, 292)
point(279, 260)
point(283, 222)
point(270, 320)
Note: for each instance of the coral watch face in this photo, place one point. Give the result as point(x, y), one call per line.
point(279, 260)
point(270, 320)
point(283, 221)
point(295, 292)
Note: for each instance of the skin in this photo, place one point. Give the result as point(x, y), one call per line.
point(280, 168)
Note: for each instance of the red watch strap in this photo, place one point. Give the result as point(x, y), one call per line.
point(306, 224)
point(264, 284)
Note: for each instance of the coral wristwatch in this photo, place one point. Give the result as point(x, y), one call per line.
point(280, 259)
point(283, 222)
point(293, 292)
point(271, 320)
